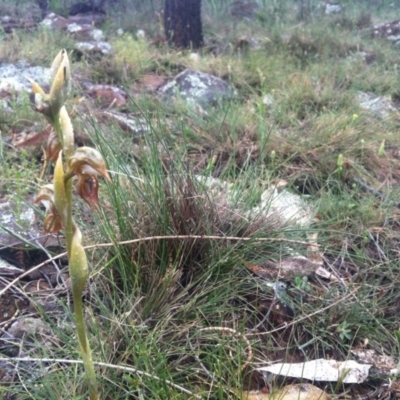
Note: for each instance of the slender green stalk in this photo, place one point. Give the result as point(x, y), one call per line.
point(77, 289)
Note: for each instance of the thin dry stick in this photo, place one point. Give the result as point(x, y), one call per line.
point(147, 239)
point(101, 364)
point(207, 237)
point(305, 317)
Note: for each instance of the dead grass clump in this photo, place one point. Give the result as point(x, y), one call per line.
point(316, 44)
point(234, 157)
point(185, 210)
point(361, 21)
point(301, 46)
point(190, 214)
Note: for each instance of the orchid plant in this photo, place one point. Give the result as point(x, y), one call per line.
point(85, 164)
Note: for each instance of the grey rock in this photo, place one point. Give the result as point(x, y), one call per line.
point(26, 335)
point(94, 47)
point(18, 228)
point(85, 32)
point(137, 126)
point(288, 207)
point(15, 76)
point(80, 28)
point(333, 8)
point(387, 30)
point(365, 56)
point(195, 87)
point(276, 203)
point(380, 106)
point(29, 327)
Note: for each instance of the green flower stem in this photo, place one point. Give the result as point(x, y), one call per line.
point(57, 127)
point(83, 341)
point(79, 273)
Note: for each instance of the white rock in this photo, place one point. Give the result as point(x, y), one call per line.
point(287, 206)
point(194, 57)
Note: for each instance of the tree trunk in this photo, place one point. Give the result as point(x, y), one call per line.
point(44, 7)
point(182, 23)
point(304, 10)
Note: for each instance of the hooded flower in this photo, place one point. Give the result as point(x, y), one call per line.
point(87, 160)
point(87, 163)
point(52, 222)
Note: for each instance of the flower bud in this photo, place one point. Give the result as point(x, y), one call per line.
point(52, 222)
point(62, 81)
point(340, 161)
point(36, 89)
point(78, 267)
point(67, 132)
point(60, 195)
point(381, 150)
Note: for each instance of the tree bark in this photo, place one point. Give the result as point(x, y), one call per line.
point(182, 23)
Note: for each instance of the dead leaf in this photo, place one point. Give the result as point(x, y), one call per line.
point(284, 269)
point(300, 391)
point(323, 273)
point(107, 96)
point(348, 371)
point(24, 139)
point(252, 395)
